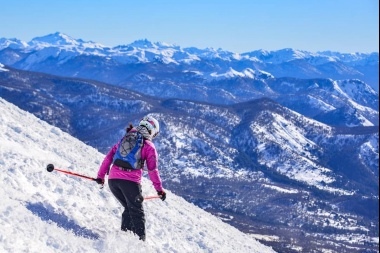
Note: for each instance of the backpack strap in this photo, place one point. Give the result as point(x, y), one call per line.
point(108, 170)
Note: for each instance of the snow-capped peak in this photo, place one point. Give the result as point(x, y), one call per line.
point(278, 56)
point(61, 40)
point(55, 39)
point(12, 43)
point(143, 43)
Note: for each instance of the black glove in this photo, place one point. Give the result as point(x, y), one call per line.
point(162, 195)
point(99, 180)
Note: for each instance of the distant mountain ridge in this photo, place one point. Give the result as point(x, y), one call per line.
point(58, 48)
point(65, 42)
point(215, 76)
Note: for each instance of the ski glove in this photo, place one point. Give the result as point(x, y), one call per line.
point(99, 180)
point(162, 195)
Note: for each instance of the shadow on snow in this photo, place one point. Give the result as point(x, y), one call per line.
point(61, 220)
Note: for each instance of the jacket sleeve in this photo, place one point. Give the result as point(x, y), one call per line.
point(104, 167)
point(152, 165)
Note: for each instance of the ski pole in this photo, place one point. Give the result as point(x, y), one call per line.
point(151, 197)
point(50, 168)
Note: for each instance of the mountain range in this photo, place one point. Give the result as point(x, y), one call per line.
point(297, 79)
point(292, 158)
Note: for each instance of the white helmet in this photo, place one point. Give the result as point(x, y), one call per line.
point(151, 124)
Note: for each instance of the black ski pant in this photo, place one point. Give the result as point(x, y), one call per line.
point(129, 194)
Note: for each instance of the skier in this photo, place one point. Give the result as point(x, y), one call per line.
point(125, 184)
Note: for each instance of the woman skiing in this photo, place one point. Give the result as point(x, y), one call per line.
point(125, 183)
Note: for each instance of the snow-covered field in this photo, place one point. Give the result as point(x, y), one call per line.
point(55, 212)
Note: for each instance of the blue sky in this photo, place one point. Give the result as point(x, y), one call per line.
point(235, 25)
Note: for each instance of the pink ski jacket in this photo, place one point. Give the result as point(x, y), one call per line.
point(148, 154)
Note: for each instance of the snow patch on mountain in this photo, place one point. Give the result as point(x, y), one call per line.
point(281, 189)
point(320, 104)
point(355, 88)
point(247, 73)
point(286, 55)
point(370, 149)
point(288, 143)
point(2, 68)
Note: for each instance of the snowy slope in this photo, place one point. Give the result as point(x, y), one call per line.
point(54, 212)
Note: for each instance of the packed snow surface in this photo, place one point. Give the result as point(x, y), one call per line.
point(55, 212)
